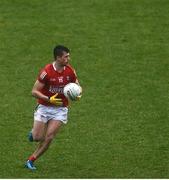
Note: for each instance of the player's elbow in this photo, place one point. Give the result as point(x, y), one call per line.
point(33, 92)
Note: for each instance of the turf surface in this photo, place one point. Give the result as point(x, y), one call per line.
point(119, 48)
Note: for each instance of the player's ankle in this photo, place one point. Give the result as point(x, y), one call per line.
point(32, 158)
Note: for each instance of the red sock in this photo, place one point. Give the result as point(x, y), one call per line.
point(32, 158)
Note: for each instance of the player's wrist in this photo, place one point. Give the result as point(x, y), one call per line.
point(48, 98)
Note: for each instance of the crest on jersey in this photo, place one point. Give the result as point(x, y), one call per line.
point(68, 78)
point(60, 79)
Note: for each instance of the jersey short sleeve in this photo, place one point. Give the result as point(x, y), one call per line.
point(42, 77)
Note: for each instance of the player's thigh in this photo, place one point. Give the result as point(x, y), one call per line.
point(39, 129)
point(52, 128)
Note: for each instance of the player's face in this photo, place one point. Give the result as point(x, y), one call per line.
point(64, 59)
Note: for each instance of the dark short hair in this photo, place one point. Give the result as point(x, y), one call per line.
point(58, 51)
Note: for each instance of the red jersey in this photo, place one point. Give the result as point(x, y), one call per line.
point(55, 81)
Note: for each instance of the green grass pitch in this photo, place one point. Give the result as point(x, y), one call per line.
point(120, 50)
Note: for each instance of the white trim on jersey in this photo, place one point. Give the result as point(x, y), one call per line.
point(43, 74)
point(54, 66)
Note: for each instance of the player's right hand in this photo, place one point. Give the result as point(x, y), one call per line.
point(78, 97)
point(56, 101)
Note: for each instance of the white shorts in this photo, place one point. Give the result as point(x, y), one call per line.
point(46, 113)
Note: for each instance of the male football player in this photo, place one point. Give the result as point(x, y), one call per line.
point(52, 108)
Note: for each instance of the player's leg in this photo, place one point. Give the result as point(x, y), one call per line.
point(53, 127)
point(39, 125)
point(57, 116)
point(38, 131)
point(38, 134)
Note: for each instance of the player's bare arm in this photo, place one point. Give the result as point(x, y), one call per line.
point(36, 91)
point(77, 82)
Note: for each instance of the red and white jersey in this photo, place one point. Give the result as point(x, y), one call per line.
point(55, 81)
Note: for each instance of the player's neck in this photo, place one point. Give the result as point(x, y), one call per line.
point(58, 67)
